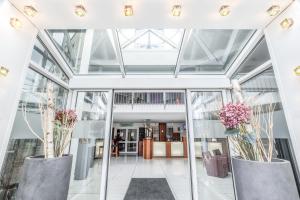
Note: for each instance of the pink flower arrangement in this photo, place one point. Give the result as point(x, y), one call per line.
point(66, 117)
point(232, 115)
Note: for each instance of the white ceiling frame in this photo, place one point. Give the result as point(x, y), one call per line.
point(233, 36)
point(255, 72)
point(47, 41)
point(103, 62)
point(185, 39)
point(207, 51)
point(164, 38)
point(256, 37)
point(133, 39)
point(118, 51)
point(34, 66)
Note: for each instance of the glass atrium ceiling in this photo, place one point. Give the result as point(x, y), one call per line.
point(150, 51)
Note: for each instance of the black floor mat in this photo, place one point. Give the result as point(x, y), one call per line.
point(149, 189)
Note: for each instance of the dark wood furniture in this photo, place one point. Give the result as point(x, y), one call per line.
point(147, 148)
point(162, 131)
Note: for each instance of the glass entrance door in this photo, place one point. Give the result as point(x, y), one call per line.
point(211, 171)
point(128, 140)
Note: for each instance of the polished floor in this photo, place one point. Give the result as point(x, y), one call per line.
point(175, 170)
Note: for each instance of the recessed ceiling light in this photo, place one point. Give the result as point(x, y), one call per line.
point(287, 23)
point(80, 10)
point(224, 10)
point(176, 10)
point(3, 71)
point(128, 10)
point(30, 11)
point(273, 10)
point(297, 71)
point(15, 23)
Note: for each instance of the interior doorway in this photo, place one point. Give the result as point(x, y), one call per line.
point(149, 156)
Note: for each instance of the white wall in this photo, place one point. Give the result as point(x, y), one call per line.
point(284, 47)
point(144, 82)
point(15, 51)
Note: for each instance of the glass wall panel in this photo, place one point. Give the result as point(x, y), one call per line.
point(212, 154)
point(212, 50)
point(87, 145)
point(70, 44)
point(261, 91)
point(258, 56)
point(22, 142)
point(42, 57)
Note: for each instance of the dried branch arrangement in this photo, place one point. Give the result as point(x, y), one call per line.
point(252, 126)
point(57, 126)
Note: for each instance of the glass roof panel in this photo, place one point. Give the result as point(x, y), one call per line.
point(212, 50)
point(70, 45)
point(258, 56)
point(150, 50)
point(103, 57)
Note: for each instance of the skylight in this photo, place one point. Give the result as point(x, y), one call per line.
point(161, 51)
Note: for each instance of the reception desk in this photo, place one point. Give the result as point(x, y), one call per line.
point(169, 149)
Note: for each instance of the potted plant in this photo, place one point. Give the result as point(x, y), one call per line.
point(47, 177)
point(257, 174)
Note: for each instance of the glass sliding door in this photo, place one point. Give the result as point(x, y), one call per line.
point(88, 144)
point(211, 161)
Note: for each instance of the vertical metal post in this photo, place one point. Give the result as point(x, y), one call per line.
point(106, 147)
point(191, 145)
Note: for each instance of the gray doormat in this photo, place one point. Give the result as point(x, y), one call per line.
point(149, 189)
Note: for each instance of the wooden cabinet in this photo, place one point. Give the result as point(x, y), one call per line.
point(162, 131)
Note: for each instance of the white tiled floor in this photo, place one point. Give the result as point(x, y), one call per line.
point(124, 168)
point(175, 170)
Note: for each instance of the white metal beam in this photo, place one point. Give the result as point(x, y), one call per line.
point(118, 50)
point(229, 45)
point(255, 72)
point(185, 39)
point(47, 41)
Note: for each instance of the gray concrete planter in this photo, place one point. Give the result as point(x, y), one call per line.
point(264, 181)
point(45, 179)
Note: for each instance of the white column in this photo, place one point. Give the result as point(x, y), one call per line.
point(16, 47)
point(284, 47)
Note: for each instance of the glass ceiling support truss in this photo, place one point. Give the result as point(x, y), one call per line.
point(164, 38)
point(230, 44)
point(185, 39)
point(133, 39)
point(118, 51)
point(207, 51)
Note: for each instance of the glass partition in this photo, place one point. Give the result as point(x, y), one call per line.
point(211, 147)
point(87, 145)
point(262, 91)
point(22, 142)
